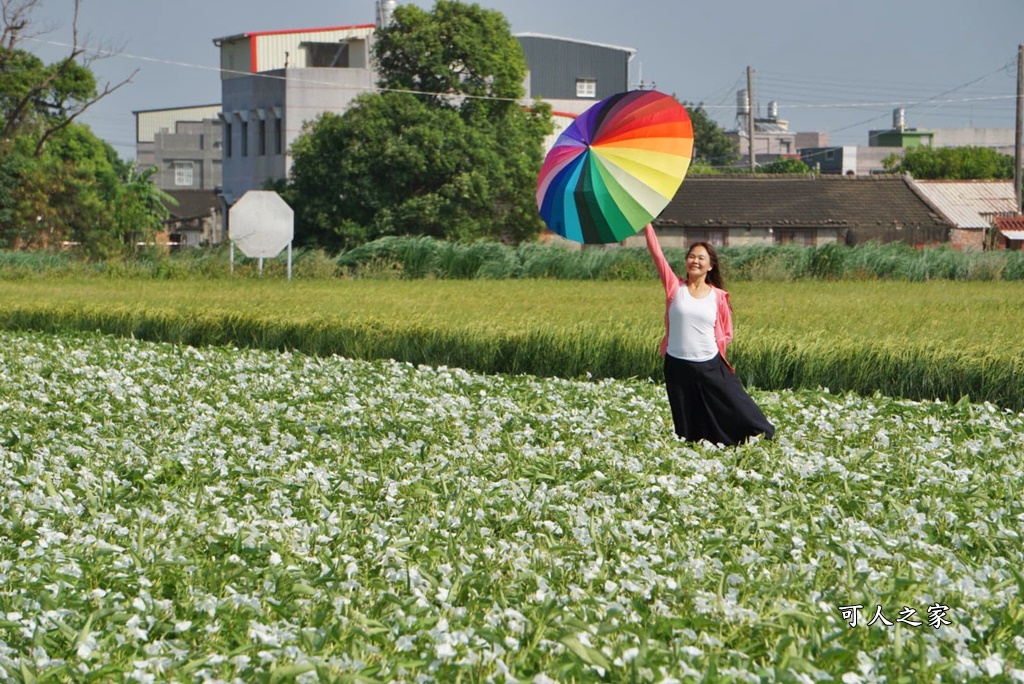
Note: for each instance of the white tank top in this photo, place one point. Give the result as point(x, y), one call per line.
point(691, 326)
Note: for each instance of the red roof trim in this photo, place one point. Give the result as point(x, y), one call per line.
point(569, 115)
point(253, 36)
point(256, 34)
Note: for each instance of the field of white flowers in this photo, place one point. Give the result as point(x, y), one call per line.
point(222, 515)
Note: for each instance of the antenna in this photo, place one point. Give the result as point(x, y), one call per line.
point(641, 84)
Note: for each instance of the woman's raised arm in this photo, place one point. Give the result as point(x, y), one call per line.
point(668, 277)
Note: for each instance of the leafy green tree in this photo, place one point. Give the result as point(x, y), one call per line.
point(454, 49)
point(58, 181)
point(447, 149)
point(784, 166)
point(711, 146)
point(955, 163)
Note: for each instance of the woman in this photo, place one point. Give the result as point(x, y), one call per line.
point(707, 399)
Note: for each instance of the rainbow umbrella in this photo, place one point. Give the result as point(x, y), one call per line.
point(615, 167)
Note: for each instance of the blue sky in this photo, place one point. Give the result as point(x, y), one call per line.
point(838, 66)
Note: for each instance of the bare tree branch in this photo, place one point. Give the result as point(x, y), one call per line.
point(107, 90)
point(16, 15)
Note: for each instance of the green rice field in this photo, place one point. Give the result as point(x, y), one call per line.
point(937, 339)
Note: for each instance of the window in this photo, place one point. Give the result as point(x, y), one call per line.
point(830, 154)
point(261, 145)
point(586, 87)
point(277, 136)
point(715, 238)
point(183, 174)
point(807, 237)
point(245, 138)
point(227, 140)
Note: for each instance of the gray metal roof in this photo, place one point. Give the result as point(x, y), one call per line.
point(630, 50)
point(970, 204)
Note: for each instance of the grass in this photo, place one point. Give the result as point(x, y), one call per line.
point(216, 514)
point(422, 257)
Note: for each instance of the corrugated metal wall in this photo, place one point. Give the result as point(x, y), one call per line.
point(276, 50)
point(555, 65)
point(148, 123)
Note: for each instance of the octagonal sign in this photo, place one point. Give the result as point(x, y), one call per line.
point(261, 224)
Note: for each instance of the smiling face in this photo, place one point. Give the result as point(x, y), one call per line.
point(698, 262)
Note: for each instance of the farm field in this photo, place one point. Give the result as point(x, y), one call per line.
point(939, 311)
point(939, 339)
point(219, 514)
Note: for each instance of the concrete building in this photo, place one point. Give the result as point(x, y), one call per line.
point(183, 144)
point(999, 139)
point(864, 160)
point(272, 83)
point(848, 160)
point(772, 138)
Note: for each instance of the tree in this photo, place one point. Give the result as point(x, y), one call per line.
point(955, 163)
point(40, 98)
point(58, 181)
point(446, 149)
point(711, 146)
point(784, 166)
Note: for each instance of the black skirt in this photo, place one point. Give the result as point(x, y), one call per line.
point(708, 402)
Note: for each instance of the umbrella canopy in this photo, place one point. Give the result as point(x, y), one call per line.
point(615, 167)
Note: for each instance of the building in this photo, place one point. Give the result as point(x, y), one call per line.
point(183, 144)
point(274, 82)
point(897, 140)
point(1002, 140)
point(811, 210)
point(848, 160)
point(772, 138)
point(1010, 232)
point(196, 218)
point(972, 206)
point(571, 75)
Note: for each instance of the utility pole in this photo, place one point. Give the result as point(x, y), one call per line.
point(750, 120)
point(1019, 137)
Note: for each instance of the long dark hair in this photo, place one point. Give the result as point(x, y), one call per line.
point(714, 276)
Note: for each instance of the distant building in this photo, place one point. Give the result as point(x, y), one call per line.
point(999, 139)
point(767, 209)
point(972, 206)
point(772, 138)
point(571, 74)
point(1010, 232)
point(183, 144)
point(274, 82)
point(900, 135)
point(865, 160)
point(848, 160)
point(196, 218)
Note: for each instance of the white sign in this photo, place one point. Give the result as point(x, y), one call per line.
point(261, 224)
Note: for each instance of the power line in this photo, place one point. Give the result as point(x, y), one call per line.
point(934, 99)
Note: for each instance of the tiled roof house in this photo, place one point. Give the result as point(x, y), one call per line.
point(807, 209)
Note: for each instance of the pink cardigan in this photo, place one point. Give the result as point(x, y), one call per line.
point(672, 283)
